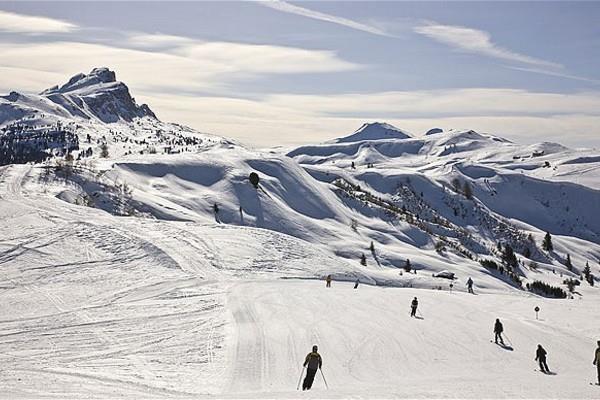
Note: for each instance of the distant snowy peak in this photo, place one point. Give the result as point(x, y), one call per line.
point(95, 96)
point(375, 131)
point(79, 81)
point(100, 94)
point(434, 131)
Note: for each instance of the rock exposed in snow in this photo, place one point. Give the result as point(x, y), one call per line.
point(97, 95)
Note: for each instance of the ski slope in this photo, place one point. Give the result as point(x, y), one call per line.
point(118, 279)
point(101, 306)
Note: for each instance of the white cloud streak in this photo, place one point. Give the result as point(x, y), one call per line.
point(20, 23)
point(556, 74)
point(187, 66)
point(477, 42)
point(305, 12)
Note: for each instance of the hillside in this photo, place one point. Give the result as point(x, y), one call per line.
point(138, 258)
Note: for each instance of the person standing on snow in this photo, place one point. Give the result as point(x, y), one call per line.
point(540, 356)
point(498, 329)
point(328, 280)
point(470, 285)
point(597, 361)
point(413, 307)
point(356, 284)
point(312, 362)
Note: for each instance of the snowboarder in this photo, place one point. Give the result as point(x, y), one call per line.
point(312, 362)
point(498, 329)
point(597, 361)
point(540, 356)
point(413, 307)
point(328, 280)
point(470, 285)
point(356, 283)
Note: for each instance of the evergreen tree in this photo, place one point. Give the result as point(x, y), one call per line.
point(568, 263)
point(467, 191)
point(104, 150)
point(456, 185)
point(509, 257)
point(363, 259)
point(372, 247)
point(547, 243)
point(587, 271)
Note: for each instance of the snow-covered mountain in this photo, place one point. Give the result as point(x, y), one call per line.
point(152, 264)
point(97, 95)
point(374, 131)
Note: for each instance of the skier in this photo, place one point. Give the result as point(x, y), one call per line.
point(328, 280)
point(597, 361)
point(356, 283)
point(470, 285)
point(216, 211)
point(498, 329)
point(413, 307)
point(313, 362)
point(540, 356)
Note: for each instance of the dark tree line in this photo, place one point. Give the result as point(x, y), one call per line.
point(20, 144)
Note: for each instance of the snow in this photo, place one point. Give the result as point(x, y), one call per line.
point(375, 131)
point(120, 280)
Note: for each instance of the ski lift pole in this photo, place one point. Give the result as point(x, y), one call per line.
point(324, 380)
point(299, 380)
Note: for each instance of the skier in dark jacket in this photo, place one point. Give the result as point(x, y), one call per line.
point(597, 361)
point(498, 329)
point(312, 362)
point(540, 356)
point(413, 307)
point(470, 285)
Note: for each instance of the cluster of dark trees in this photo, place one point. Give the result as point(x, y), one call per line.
point(544, 289)
point(504, 270)
point(20, 144)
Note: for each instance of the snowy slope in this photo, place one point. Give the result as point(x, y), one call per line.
point(118, 278)
point(137, 307)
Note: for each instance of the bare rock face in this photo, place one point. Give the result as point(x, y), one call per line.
point(97, 94)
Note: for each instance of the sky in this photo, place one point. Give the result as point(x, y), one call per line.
point(278, 73)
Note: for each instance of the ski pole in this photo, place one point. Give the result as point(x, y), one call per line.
point(324, 380)
point(508, 339)
point(299, 380)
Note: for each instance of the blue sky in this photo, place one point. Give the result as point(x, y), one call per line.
point(286, 73)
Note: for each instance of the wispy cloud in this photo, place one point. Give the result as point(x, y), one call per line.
point(478, 42)
point(186, 65)
point(555, 73)
point(305, 12)
point(20, 23)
